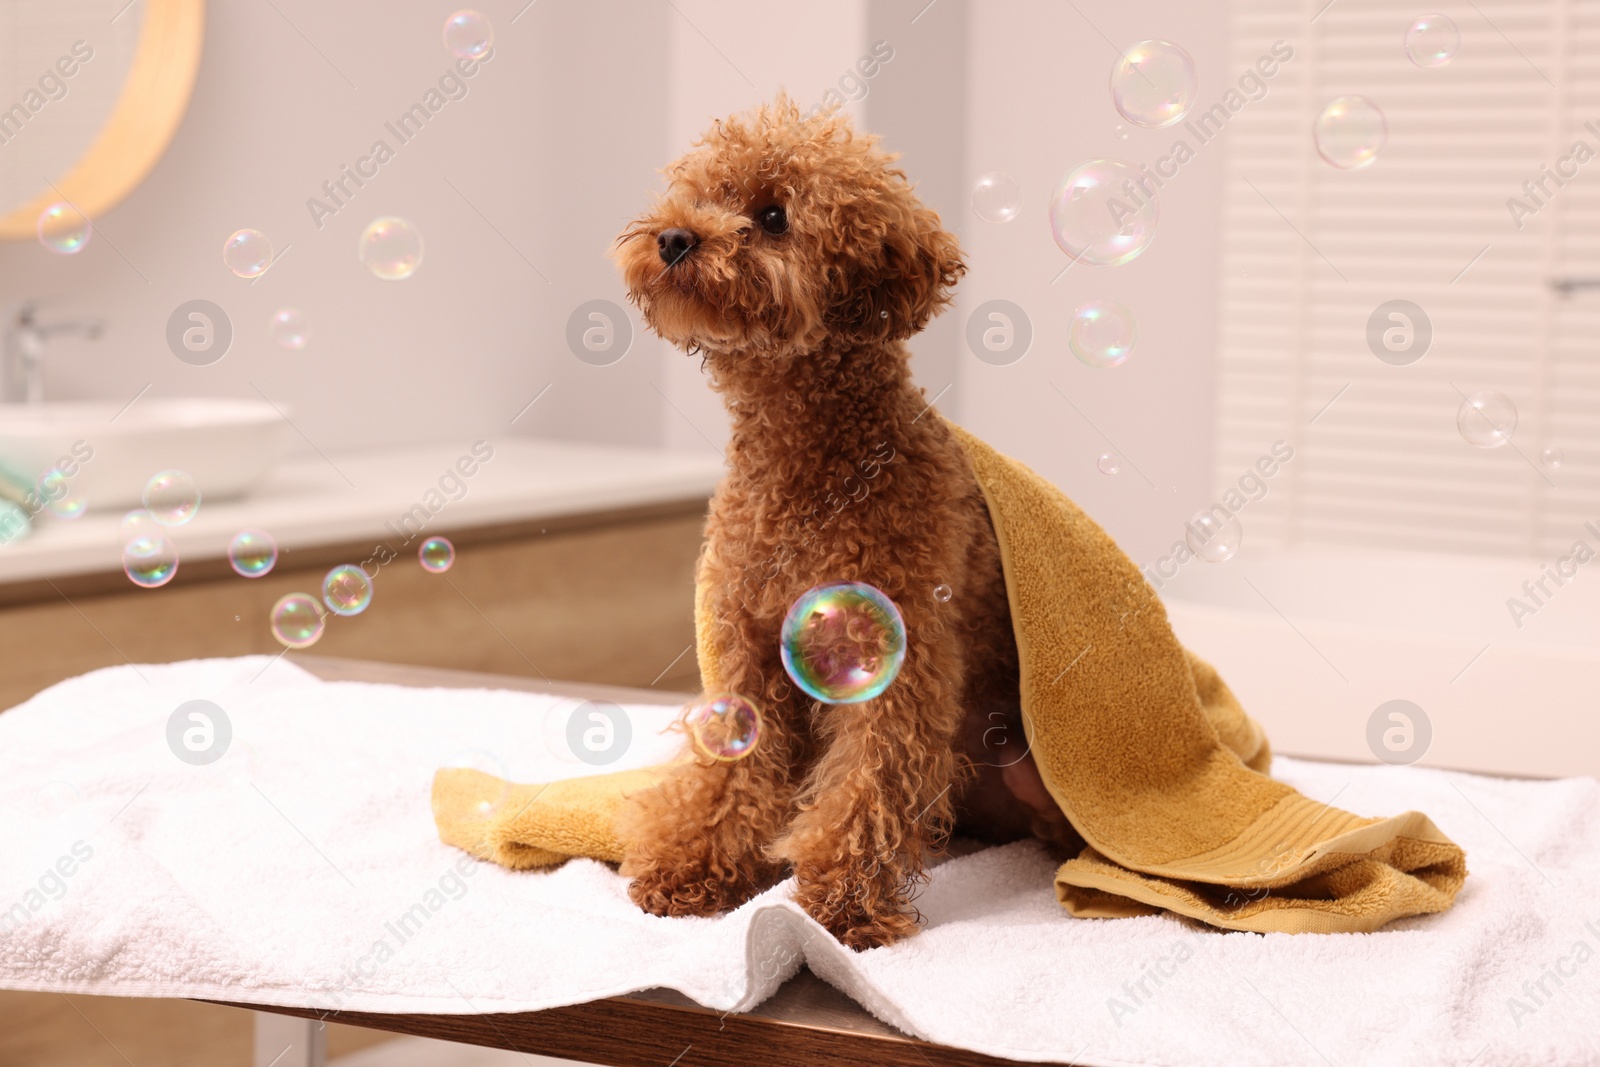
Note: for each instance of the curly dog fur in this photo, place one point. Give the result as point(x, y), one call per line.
point(839, 471)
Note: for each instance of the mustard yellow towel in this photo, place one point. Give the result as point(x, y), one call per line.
point(1140, 742)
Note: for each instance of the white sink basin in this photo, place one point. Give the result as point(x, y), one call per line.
point(228, 446)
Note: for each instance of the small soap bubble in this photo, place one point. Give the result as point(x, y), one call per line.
point(1100, 213)
point(1153, 84)
point(468, 34)
point(391, 248)
point(150, 561)
point(1486, 419)
point(297, 620)
point(1552, 458)
point(996, 197)
point(1102, 333)
point(943, 593)
point(247, 253)
point(136, 524)
point(1214, 535)
point(347, 590)
point(725, 727)
point(64, 229)
point(437, 554)
point(172, 498)
point(289, 329)
point(1432, 41)
point(843, 643)
point(1109, 463)
point(1121, 131)
point(1350, 132)
point(252, 553)
point(56, 489)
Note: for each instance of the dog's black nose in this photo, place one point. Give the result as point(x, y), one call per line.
point(674, 244)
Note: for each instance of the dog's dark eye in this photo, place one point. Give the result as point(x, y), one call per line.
point(773, 219)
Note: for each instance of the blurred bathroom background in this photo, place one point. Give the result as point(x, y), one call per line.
point(1356, 330)
point(1354, 327)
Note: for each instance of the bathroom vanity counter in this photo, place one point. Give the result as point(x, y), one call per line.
point(390, 497)
point(572, 561)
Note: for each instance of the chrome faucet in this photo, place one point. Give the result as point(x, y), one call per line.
point(22, 373)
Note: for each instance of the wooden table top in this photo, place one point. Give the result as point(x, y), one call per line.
point(806, 1023)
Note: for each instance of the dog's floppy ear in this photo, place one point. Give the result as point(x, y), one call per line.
point(898, 274)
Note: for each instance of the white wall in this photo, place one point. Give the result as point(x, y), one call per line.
point(727, 56)
point(558, 143)
point(1038, 104)
point(558, 134)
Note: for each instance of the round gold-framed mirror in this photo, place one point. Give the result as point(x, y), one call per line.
point(165, 57)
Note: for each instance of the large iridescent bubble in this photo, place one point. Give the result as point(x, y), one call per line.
point(1104, 212)
point(843, 643)
point(1153, 84)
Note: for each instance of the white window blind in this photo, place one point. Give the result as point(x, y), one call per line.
point(1310, 251)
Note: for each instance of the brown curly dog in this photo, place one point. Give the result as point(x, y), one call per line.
point(791, 256)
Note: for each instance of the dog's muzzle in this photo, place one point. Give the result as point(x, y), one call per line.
point(674, 244)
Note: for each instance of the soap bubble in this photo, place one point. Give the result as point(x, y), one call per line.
point(297, 620)
point(172, 498)
point(289, 329)
point(996, 197)
point(1552, 458)
point(252, 553)
point(347, 590)
point(843, 642)
point(136, 524)
point(390, 248)
point(943, 593)
point(1486, 419)
point(1350, 132)
point(1153, 84)
point(1121, 131)
point(1214, 535)
point(64, 229)
point(1432, 41)
point(247, 253)
point(150, 561)
point(436, 555)
point(1109, 463)
point(1099, 213)
point(1102, 333)
point(56, 490)
point(468, 34)
point(724, 727)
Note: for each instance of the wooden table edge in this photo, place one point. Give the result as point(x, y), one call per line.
point(657, 1028)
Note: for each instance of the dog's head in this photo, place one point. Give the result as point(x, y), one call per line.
point(780, 233)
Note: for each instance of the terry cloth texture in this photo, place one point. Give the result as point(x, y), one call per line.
point(1140, 742)
point(303, 869)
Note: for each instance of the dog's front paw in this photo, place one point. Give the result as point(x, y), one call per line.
point(859, 914)
point(687, 887)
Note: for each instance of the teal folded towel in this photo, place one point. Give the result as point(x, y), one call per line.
point(18, 501)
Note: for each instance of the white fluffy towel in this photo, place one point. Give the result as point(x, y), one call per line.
point(302, 868)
